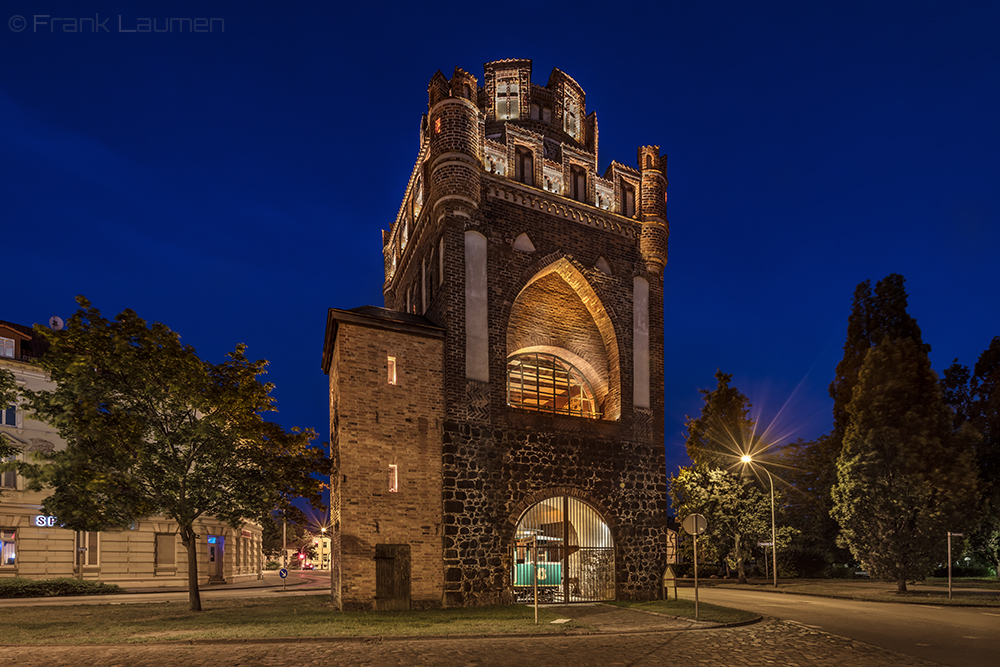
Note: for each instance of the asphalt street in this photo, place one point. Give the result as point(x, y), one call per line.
point(957, 636)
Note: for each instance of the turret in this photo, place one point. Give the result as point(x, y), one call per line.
point(455, 139)
point(655, 228)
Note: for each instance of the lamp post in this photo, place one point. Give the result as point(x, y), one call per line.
point(746, 458)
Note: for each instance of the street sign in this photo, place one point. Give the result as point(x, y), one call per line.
point(695, 524)
point(282, 573)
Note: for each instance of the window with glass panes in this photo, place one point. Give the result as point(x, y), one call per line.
point(545, 383)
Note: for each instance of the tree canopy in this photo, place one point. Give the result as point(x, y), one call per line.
point(724, 431)
point(737, 512)
point(875, 316)
point(975, 399)
point(904, 478)
point(153, 429)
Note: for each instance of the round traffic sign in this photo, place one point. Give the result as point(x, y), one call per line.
point(695, 524)
point(282, 573)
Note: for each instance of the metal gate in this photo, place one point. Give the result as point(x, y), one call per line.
point(563, 543)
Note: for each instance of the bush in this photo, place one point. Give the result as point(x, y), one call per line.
point(19, 587)
point(960, 571)
point(272, 565)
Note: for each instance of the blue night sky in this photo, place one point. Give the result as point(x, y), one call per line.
point(233, 185)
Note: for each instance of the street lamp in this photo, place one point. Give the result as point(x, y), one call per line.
point(747, 459)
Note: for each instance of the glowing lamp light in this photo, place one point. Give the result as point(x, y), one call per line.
point(746, 458)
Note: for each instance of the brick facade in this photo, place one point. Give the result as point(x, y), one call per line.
point(507, 242)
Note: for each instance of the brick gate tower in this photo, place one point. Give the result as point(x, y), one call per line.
point(501, 418)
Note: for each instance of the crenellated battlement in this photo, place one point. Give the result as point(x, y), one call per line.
point(539, 136)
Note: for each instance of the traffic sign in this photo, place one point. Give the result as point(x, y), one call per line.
point(282, 573)
point(695, 524)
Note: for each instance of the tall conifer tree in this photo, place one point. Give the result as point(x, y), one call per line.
point(904, 478)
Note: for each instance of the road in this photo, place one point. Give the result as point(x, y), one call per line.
point(957, 636)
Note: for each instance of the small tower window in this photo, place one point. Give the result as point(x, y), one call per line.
point(571, 123)
point(524, 166)
point(579, 180)
point(628, 200)
point(391, 366)
point(393, 478)
point(507, 98)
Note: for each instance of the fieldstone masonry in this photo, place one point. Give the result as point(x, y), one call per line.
point(507, 243)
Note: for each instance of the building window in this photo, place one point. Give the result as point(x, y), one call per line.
point(6, 347)
point(8, 478)
point(8, 549)
point(578, 178)
point(628, 200)
point(8, 417)
point(571, 123)
point(546, 383)
point(391, 365)
point(393, 478)
point(87, 551)
point(507, 98)
point(166, 551)
point(524, 166)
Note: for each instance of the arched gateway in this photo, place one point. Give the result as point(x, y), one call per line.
point(567, 546)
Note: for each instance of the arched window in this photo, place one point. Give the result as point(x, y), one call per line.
point(546, 383)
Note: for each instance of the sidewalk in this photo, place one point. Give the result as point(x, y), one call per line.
point(768, 643)
point(271, 579)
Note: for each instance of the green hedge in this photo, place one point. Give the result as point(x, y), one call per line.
point(19, 587)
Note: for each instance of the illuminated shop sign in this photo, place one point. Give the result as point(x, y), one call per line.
point(45, 521)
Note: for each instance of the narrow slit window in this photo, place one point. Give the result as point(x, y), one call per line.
point(393, 478)
point(391, 366)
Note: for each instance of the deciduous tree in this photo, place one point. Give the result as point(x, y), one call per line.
point(903, 477)
point(153, 429)
point(736, 510)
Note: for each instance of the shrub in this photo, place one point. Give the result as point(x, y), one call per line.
point(19, 587)
point(272, 565)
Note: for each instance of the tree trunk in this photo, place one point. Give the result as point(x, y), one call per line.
point(190, 540)
point(740, 568)
point(901, 585)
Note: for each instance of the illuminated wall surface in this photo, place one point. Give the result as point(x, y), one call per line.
point(148, 553)
point(502, 415)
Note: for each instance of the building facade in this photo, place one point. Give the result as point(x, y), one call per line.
point(501, 418)
point(148, 553)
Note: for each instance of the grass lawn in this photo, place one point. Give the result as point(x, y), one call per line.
point(301, 616)
point(685, 609)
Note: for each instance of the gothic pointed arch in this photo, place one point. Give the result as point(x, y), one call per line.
point(558, 313)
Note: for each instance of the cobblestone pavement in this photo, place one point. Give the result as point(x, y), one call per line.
point(770, 642)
